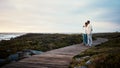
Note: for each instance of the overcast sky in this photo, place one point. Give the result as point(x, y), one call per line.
point(59, 16)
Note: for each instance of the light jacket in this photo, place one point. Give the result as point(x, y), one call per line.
point(89, 29)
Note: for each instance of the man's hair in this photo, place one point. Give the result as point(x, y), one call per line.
point(88, 21)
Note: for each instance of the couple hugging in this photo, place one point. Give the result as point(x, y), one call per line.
point(87, 36)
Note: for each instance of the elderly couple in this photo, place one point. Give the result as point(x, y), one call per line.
point(87, 35)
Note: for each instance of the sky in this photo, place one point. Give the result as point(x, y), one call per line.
point(59, 16)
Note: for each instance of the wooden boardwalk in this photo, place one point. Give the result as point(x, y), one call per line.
point(58, 58)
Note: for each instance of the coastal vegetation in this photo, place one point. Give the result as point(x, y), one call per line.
point(105, 55)
point(36, 41)
point(18, 48)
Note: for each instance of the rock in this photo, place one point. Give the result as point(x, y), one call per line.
point(81, 67)
point(86, 57)
point(88, 62)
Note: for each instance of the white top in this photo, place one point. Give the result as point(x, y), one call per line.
point(89, 29)
point(84, 30)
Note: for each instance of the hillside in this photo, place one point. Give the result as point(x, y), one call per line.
point(57, 58)
point(36, 41)
point(105, 55)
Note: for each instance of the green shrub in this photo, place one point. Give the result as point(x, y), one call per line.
point(105, 55)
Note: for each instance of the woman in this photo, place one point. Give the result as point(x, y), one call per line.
point(85, 34)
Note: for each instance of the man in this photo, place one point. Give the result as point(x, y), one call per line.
point(89, 34)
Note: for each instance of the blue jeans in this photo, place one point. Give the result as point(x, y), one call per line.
point(89, 37)
point(85, 39)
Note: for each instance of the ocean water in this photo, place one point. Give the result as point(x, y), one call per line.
point(8, 36)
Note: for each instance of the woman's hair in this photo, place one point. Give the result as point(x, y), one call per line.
point(86, 24)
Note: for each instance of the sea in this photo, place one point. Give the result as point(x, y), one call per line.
point(8, 36)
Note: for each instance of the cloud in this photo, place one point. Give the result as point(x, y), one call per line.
point(52, 15)
point(105, 26)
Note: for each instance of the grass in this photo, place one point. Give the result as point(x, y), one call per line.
point(36, 41)
point(42, 42)
point(105, 55)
